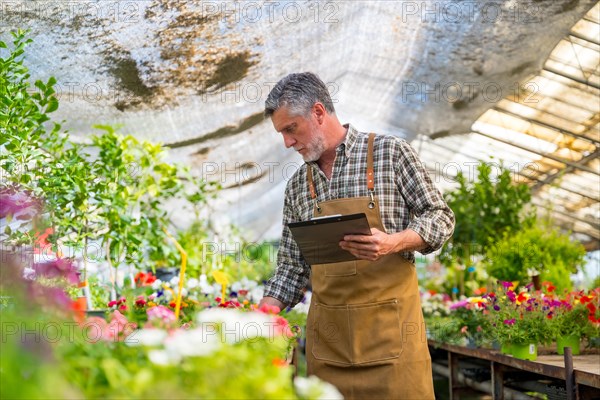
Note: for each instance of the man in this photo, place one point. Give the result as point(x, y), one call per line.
point(365, 330)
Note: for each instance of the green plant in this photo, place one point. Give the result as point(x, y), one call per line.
point(109, 192)
point(484, 209)
point(536, 250)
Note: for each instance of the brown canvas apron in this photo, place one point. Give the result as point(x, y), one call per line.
point(365, 330)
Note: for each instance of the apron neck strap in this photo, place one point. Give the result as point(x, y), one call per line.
point(370, 171)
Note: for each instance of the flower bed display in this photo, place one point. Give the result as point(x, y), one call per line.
point(512, 317)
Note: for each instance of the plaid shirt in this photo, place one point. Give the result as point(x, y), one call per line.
point(407, 199)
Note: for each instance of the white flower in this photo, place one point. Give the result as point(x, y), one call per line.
point(146, 337)
point(256, 294)
point(157, 284)
point(174, 281)
point(304, 305)
point(192, 283)
point(314, 388)
point(162, 357)
point(236, 286)
point(28, 273)
point(192, 343)
point(235, 326)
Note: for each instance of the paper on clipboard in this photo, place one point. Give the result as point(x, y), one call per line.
point(319, 238)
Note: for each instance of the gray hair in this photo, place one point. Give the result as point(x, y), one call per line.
point(298, 92)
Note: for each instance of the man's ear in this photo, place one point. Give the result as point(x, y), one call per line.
point(319, 112)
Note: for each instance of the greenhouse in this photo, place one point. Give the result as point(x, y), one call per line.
point(300, 199)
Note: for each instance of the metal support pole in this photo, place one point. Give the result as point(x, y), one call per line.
point(570, 375)
point(497, 381)
point(453, 378)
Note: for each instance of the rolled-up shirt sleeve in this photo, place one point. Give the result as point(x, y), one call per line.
point(293, 273)
point(431, 217)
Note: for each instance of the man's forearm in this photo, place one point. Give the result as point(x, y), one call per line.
point(408, 240)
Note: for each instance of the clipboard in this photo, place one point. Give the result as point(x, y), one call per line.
point(319, 238)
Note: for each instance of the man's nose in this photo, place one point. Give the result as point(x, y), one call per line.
point(288, 141)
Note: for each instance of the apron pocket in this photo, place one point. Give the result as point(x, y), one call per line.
point(347, 268)
point(331, 338)
point(375, 332)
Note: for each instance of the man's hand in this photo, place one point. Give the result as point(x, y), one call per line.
point(379, 243)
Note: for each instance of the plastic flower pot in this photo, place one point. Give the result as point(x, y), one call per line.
point(506, 348)
point(524, 351)
point(572, 341)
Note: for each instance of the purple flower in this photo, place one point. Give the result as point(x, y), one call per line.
point(459, 304)
point(507, 285)
point(512, 296)
point(496, 307)
point(510, 321)
point(18, 204)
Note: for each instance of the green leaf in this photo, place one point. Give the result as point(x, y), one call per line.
point(52, 105)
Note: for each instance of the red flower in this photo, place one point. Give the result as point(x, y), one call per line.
point(585, 299)
point(140, 302)
point(144, 279)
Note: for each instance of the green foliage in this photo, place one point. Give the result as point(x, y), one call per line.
point(571, 321)
point(237, 257)
point(115, 370)
point(536, 250)
point(484, 209)
point(110, 191)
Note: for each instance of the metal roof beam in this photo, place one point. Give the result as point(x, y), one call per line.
point(574, 85)
point(585, 39)
point(532, 178)
point(573, 78)
point(551, 178)
point(594, 224)
point(575, 164)
point(545, 125)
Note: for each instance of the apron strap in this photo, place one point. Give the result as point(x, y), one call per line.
point(311, 185)
point(370, 175)
point(370, 171)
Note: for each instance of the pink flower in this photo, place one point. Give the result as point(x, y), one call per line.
point(464, 329)
point(510, 321)
point(160, 312)
point(119, 328)
point(268, 309)
point(59, 268)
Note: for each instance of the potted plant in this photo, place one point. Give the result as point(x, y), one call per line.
point(518, 320)
point(571, 320)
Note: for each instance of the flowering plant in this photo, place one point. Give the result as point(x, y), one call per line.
point(518, 317)
point(576, 313)
point(470, 315)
